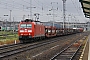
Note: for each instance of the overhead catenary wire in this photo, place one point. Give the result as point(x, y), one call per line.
point(41, 6)
point(15, 6)
point(77, 9)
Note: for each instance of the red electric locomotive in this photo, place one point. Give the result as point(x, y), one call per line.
point(29, 30)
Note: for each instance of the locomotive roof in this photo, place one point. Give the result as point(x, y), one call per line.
point(29, 20)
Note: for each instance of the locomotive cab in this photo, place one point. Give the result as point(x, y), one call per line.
point(25, 30)
point(30, 30)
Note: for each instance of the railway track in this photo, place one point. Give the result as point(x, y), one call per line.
point(6, 47)
point(6, 51)
point(9, 46)
point(9, 50)
point(68, 53)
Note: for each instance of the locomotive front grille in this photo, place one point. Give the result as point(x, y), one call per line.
point(23, 37)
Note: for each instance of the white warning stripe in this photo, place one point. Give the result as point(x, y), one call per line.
point(81, 57)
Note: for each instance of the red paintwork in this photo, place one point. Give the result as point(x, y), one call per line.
point(80, 29)
point(26, 33)
point(37, 30)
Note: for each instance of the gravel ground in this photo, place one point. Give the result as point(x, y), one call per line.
point(45, 52)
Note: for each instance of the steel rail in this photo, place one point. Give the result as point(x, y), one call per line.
point(65, 50)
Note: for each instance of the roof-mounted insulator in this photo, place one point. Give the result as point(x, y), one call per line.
point(27, 20)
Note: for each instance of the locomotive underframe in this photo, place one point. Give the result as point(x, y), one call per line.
point(24, 39)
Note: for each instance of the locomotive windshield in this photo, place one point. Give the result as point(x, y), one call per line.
point(25, 26)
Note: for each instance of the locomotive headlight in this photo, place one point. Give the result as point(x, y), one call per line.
point(29, 30)
point(21, 30)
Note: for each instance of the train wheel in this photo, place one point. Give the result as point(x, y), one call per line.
point(21, 41)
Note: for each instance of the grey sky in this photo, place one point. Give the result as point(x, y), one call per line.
point(20, 8)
